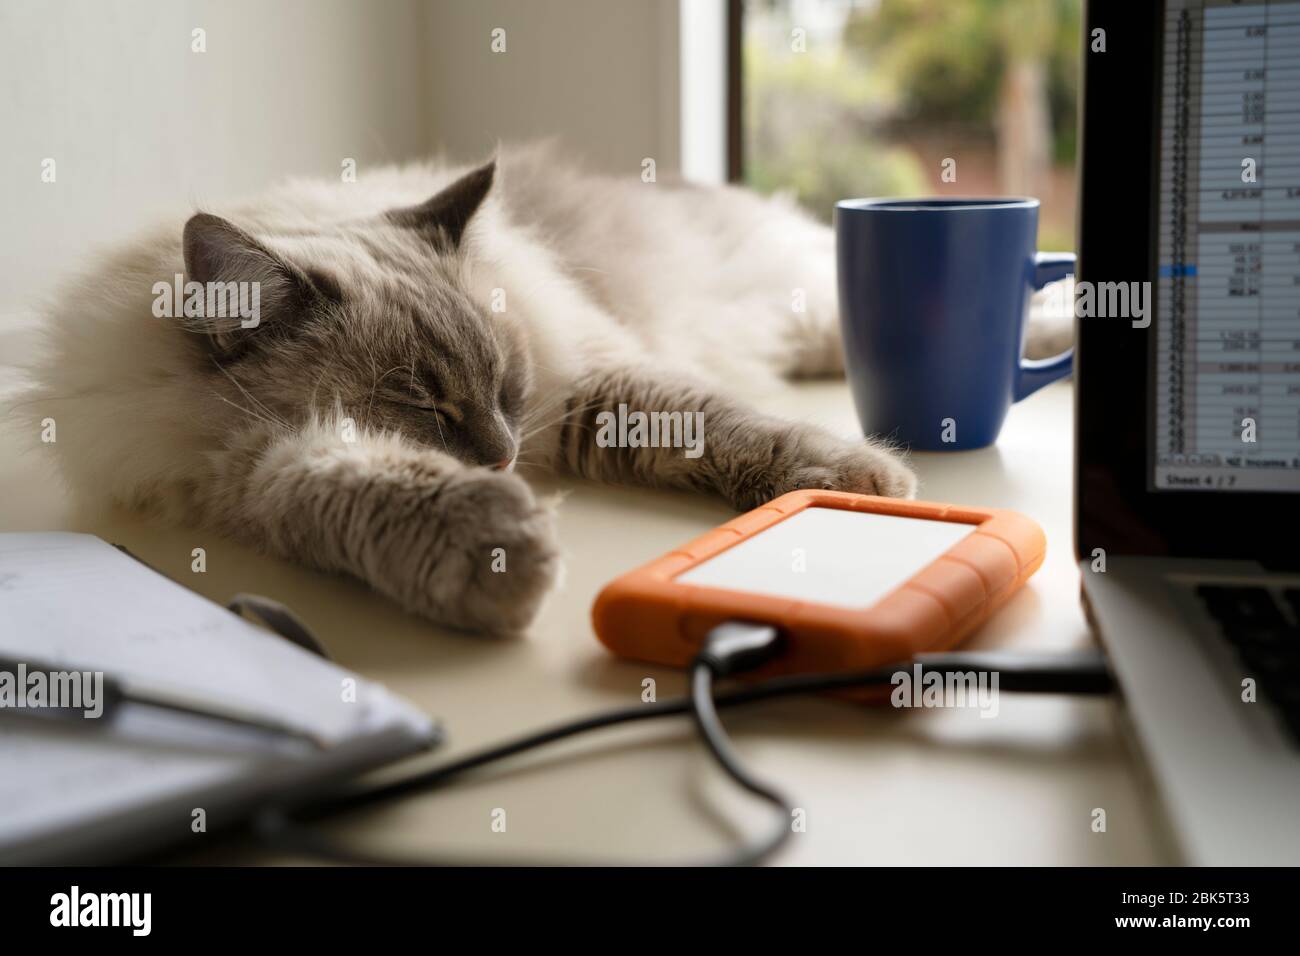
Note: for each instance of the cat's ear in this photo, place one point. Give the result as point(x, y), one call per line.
point(270, 292)
point(444, 217)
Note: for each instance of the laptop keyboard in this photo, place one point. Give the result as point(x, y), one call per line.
point(1266, 640)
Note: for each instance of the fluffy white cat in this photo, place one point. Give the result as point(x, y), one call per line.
point(421, 329)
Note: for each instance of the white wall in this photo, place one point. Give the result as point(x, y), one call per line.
point(137, 123)
point(601, 75)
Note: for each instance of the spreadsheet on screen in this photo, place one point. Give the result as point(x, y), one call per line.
point(1226, 406)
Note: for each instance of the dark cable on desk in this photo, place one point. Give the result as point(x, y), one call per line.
point(740, 648)
point(734, 648)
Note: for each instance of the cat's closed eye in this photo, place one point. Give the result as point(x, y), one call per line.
point(444, 411)
point(423, 404)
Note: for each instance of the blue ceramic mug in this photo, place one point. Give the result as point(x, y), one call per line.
point(933, 297)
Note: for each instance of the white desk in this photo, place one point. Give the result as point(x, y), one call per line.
point(878, 786)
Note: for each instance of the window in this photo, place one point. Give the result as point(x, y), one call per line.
point(845, 98)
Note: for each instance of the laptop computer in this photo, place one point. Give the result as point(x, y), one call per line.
point(1187, 495)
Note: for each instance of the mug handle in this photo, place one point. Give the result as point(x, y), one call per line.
point(1033, 374)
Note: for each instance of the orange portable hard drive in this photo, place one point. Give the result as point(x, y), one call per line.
point(853, 581)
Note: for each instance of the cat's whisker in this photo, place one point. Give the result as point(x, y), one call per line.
point(442, 438)
point(552, 399)
point(270, 415)
point(375, 385)
point(44, 398)
point(315, 389)
point(250, 413)
point(370, 356)
point(569, 412)
point(552, 403)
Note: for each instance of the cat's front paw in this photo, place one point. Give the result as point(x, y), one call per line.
point(857, 466)
point(809, 457)
point(500, 555)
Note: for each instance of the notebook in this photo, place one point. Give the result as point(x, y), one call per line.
point(72, 793)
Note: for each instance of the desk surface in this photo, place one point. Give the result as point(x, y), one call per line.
point(877, 786)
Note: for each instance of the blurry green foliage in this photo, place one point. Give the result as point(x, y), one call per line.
point(943, 61)
point(809, 123)
point(820, 122)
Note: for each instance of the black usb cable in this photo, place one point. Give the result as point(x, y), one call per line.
point(730, 649)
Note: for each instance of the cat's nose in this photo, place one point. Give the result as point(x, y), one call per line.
point(504, 464)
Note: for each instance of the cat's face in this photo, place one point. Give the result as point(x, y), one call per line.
point(373, 325)
point(430, 363)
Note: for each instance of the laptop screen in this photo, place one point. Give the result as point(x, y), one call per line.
point(1225, 410)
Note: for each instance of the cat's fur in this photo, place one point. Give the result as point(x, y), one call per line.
point(378, 312)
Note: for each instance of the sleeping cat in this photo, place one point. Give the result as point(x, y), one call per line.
point(423, 329)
